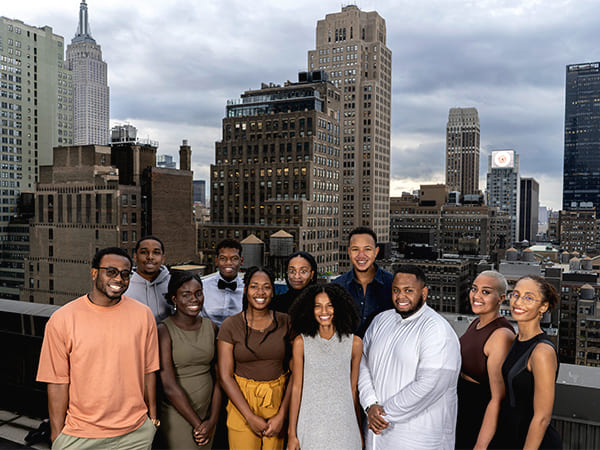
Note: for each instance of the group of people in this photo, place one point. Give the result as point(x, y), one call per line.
point(362, 362)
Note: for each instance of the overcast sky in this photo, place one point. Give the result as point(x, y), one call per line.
point(173, 65)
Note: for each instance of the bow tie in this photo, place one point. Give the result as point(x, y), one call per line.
point(231, 285)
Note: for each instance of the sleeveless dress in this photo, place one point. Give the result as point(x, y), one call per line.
point(192, 352)
point(327, 418)
point(517, 407)
point(473, 398)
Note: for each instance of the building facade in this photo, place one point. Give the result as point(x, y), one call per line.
point(278, 167)
point(581, 183)
point(36, 114)
point(90, 86)
point(351, 48)
point(578, 231)
point(588, 327)
point(80, 207)
point(462, 150)
point(576, 311)
point(528, 209)
point(503, 186)
point(427, 219)
point(98, 196)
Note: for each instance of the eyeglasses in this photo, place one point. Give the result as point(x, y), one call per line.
point(112, 272)
point(188, 295)
point(527, 299)
point(301, 272)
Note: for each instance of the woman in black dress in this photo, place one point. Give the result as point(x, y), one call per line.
point(529, 371)
point(483, 348)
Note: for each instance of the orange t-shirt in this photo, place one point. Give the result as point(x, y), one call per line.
point(103, 353)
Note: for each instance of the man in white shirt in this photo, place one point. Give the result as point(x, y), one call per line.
point(223, 292)
point(409, 370)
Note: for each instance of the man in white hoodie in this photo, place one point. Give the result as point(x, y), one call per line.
point(150, 279)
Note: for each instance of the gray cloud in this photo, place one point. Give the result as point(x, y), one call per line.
point(173, 65)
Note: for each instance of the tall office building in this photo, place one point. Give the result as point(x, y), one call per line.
point(462, 150)
point(277, 167)
point(503, 186)
point(351, 48)
point(581, 183)
point(529, 206)
point(90, 85)
point(200, 191)
point(36, 114)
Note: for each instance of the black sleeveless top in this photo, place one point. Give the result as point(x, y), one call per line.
point(517, 407)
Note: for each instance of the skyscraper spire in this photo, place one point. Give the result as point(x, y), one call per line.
point(83, 29)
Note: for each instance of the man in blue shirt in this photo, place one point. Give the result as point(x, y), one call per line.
point(369, 285)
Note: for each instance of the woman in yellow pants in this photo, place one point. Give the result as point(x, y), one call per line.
point(253, 349)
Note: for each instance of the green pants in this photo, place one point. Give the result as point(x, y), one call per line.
point(140, 439)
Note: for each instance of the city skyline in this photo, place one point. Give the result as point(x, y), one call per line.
point(507, 59)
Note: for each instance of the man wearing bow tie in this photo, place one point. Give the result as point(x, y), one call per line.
point(223, 292)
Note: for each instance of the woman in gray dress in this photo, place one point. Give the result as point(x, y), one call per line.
point(324, 409)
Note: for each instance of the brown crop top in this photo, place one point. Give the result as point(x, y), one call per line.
point(474, 361)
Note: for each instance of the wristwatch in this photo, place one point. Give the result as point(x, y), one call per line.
point(155, 422)
point(367, 408)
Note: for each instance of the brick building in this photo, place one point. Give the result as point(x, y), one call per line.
point(82, 205)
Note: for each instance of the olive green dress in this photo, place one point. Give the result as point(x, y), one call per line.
point(192, 353)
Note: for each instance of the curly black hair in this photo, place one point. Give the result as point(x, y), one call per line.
point(247, 277)
point(345, 311)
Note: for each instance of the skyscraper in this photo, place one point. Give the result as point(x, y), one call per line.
point(462, 151)
point(278, 167)
point(36, 114)
point(581, 182)
point(90, 86)
point(351, 48)
point(503, 186)
point(529, 209)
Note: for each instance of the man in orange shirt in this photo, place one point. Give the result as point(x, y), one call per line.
point(99, 358)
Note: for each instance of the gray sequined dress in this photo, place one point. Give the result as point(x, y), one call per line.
point(327, 419)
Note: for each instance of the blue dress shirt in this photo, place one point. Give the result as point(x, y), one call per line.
point(377, 298)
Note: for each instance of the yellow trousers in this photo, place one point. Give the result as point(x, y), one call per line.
point(264, 399)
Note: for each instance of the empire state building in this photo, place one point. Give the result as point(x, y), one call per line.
point(90, 87)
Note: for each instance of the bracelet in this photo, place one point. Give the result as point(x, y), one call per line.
point(155, 422)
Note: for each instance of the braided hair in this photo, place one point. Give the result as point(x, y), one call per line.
point(247, 278)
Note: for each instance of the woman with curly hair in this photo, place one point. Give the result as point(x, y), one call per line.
point(529, 372)
point(253, 348)
point(187, 367)
point(324, 408)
